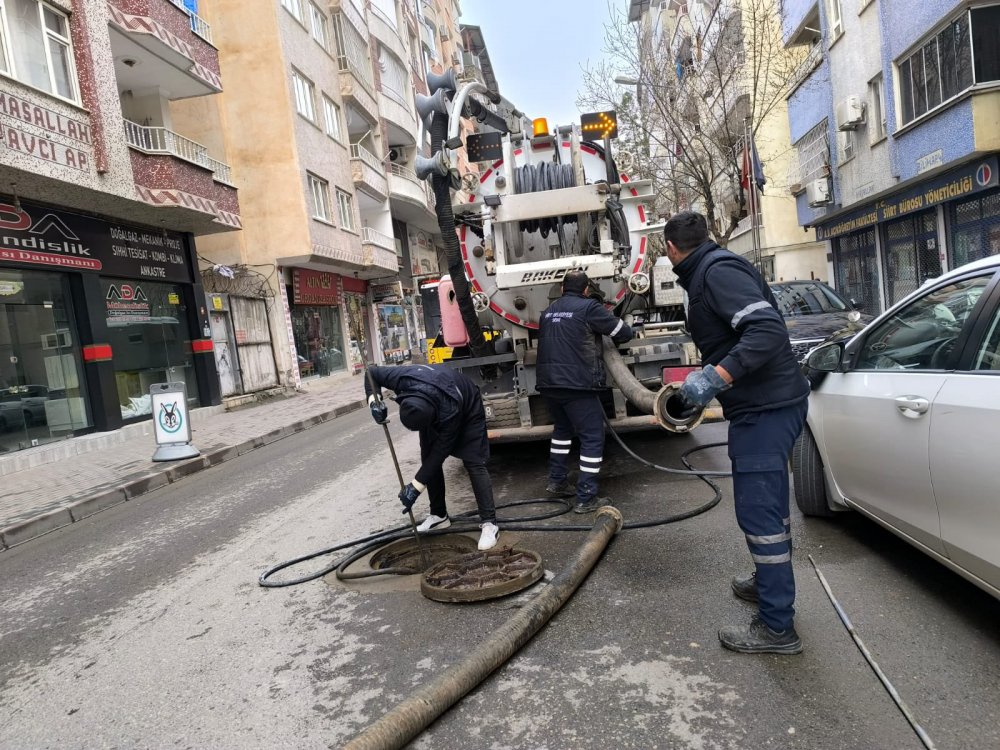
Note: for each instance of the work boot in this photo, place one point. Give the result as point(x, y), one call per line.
point(560, 489)
point(745, 587)
point(433, 522)
point(758, 638)
point(488, 539)
point(589, 506)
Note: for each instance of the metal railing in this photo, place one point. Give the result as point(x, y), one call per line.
point(360, 152)
point(371, 236)
point(354, 15)
point(746, 224)
point(809, 63)
point(386, 10)
point(401, 171)
point(353, 57)
point(155, 140)
point(396, 96)
point(198, 24)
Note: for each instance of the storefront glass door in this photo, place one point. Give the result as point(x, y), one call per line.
point(319, 339)
point(42, 394)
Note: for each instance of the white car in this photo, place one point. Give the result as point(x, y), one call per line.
point(904, 423)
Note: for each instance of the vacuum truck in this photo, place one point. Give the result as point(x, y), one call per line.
point(545, 202)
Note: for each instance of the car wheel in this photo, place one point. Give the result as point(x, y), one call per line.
point(807, 477)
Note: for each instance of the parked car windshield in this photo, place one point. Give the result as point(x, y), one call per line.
point(810, 298)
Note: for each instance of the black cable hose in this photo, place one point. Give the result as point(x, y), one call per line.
point(380, 538)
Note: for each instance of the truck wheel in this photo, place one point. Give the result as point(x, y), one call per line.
point(807, 477)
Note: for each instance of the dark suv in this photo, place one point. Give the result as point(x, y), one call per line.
point(813, 312)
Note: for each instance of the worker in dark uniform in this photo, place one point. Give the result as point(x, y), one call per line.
point(446, 409)
point(749, 365)
point(570, 374)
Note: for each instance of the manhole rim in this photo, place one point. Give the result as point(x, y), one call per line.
point(460, 544)
point(458, 596)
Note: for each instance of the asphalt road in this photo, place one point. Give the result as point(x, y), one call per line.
point(144, 626)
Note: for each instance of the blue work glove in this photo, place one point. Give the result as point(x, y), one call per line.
point(408, 496)
point(380, 412)
point(701, 386)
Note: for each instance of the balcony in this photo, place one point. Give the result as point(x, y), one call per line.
point(395, 109)
point(171, 171)
point(379, 251)
point(410, 198)
point(349, 259)
point(160, 44)
point(368, 173)
point(357, 82)
point(805, 68)
point(386, 33)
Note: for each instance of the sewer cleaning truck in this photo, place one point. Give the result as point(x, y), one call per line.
point(544, 202)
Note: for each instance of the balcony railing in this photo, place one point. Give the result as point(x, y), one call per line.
point(371, 236)
point(360, 152)
point(198, 24)
point(807, 66)
point(153, 140)
point(745, 225)
point(401, 171)
point(353, 57)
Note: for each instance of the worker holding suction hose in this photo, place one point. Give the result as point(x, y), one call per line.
point(734, 321)
point(445, 407)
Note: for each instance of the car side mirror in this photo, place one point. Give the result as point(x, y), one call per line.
point(826, 358)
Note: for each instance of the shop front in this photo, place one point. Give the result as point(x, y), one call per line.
point(884, 251)
point(393, 336)
point(92, 312)
point(358, 326)
point(317, 322)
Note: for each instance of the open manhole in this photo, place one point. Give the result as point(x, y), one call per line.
point(477, 576)
point(404, 554)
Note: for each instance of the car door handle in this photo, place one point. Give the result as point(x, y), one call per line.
point(912, 406)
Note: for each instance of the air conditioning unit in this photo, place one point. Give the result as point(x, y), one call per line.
point(818, 192)
point(444, 32)
point(850, 113)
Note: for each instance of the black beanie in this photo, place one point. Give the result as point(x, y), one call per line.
point(575, 281)
point(416, 412)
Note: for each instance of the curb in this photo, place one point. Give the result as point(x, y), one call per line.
point(76, 509)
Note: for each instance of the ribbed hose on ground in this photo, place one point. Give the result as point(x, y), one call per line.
point(446, 221)
point(396, 728)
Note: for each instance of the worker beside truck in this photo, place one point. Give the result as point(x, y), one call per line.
point(749, 365)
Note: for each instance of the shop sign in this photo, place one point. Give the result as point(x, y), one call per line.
point(391, 291)
point(39, 236)
point(972, 178)
point(314, 287)
point(171, 422)
point(127, 303)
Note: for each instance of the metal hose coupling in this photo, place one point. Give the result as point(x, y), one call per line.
point(668, 409)
point(612, 512)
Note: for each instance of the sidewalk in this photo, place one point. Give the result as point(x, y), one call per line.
point(117, 468)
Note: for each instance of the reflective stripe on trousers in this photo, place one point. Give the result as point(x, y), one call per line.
point(581, 416)
point(759, 446)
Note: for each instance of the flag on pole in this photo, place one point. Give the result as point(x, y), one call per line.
point(752, 166)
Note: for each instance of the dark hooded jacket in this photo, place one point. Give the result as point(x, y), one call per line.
point(734, 321)
point(569, 343)
point(459, 426)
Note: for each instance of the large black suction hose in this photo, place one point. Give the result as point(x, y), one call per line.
point(656, 403)
point(446, 221)
point(413, 715)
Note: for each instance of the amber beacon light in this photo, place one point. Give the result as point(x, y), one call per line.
point(540, 127)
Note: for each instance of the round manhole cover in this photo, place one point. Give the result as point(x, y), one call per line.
point(405, 554)
point(482, 575)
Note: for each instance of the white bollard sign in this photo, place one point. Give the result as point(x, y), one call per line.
point(171, 425)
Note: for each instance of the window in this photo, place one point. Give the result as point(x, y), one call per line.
point(923, 334)
point(331, 117)
point(835, 20)
point(294, 7)
point(318, 26)
point(305, 98)
point(395, 79)
point(320, 190)
point(345, 207)
point(35, 47)
point(845, 146)
point(876, 109)
point(943, 68)
point(988, 356)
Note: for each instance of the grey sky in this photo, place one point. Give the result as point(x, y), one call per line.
point(537, 48)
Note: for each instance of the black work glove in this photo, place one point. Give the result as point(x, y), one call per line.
point(408, 496)
point(380, 412)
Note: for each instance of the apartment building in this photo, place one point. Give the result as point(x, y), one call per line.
point(895, 125)
point(719, 79)
point(102, 192)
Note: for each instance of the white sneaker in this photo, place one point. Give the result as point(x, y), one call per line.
point(488, 539)
point(433, 522)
